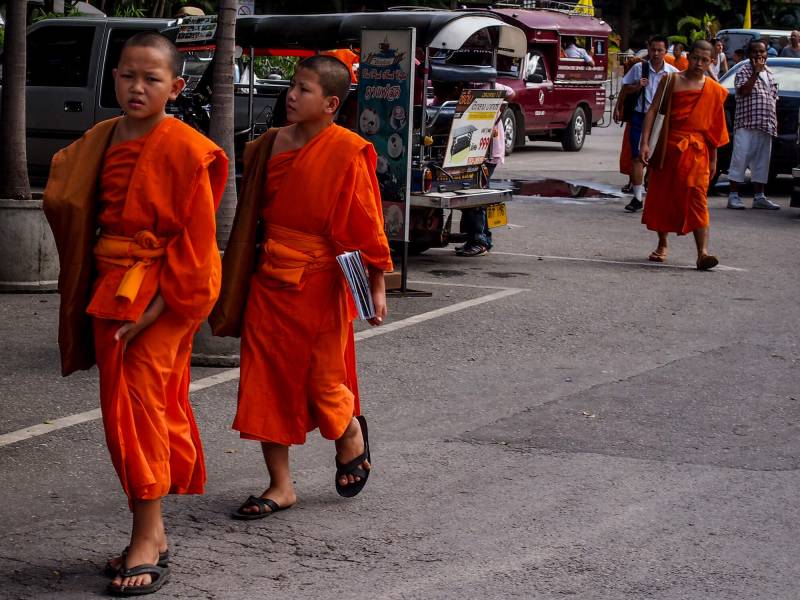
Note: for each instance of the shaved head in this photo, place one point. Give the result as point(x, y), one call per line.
point(151, 39)
point(702, 45)
point(333, 75)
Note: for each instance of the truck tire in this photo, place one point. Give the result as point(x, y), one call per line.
point(573, 137)
point(509, 120)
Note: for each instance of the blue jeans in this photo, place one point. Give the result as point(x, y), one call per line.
point(474, 223)
point(637, 121)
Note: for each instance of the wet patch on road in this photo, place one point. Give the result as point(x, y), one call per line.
point(559, 189)
point(507, 274)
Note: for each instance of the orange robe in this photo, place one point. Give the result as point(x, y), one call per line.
point(297, 351)
point(155, 212)
point(676, 194)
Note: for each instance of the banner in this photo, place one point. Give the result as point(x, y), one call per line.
point(471, 133)
point(385, 94)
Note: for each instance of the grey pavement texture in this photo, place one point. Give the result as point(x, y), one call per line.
point(615, 430)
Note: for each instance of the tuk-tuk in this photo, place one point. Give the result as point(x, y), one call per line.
point(449, 46)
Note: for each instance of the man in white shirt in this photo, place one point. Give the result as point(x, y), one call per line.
point(574, 51)
point(793, 49)
point(644, 87)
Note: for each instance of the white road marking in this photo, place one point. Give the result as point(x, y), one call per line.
point(607, 261)
point(433, 314)
point(233, 374)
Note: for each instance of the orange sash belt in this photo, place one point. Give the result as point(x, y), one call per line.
point(693, 149)
point(136, 254)
point(289, 253)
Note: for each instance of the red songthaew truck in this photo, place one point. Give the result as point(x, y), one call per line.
point(557, 98)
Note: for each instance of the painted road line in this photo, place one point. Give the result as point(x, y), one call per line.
point(233, 374)
point(467, 285)
point(48, 426)
point(433, 314)
point(607, 261)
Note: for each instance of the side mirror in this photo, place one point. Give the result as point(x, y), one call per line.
point(535, 78)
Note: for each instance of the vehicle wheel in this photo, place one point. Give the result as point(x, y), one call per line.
point(510, 128)
point(574, 135)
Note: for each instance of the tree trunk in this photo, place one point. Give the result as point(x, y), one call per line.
point(221, 128)
point(625, 25)
point(13, 156)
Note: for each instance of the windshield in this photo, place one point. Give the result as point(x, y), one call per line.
point(787, 76)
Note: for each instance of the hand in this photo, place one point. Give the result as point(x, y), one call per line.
point(618, 114)
point(759, 64)
point(131, 329)
point(712, 169)
point(644, 82)
point(644, 153)
point(377, 286)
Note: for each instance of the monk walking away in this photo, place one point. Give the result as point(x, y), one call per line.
point(681, 168)
point(313, 184)
point(132, 206)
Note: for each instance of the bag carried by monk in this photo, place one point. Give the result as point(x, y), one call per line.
point(239, 258)
point(660, 130)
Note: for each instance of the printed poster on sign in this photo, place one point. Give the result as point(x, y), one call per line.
point(473, 122)
point(385, 92)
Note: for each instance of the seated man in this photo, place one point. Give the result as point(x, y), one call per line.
point(574, 51)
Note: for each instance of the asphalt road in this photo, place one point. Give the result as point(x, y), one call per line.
point(559, 419)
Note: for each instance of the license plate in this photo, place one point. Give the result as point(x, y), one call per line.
point(496, 215)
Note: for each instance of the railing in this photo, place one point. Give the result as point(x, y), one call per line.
point(573, 8)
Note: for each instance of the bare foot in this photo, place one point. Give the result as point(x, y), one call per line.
point(283, 497)
point(659, 254)
point(349, 447)
point(117, 562)
point(143, 552)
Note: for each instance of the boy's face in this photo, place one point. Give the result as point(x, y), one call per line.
point(699, 60)
point(144, 82)
point(305, 100)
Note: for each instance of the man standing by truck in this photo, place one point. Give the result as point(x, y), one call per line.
point(642, 80)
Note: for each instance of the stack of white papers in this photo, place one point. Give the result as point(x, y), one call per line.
point(358, 282)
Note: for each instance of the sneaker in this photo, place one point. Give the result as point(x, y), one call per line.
point(627, 188)
point(474, 250)
point(763, 202)
point(634, 205)
point(735, 202)
point(462, 247)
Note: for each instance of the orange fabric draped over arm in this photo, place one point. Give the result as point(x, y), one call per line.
point(190, 278)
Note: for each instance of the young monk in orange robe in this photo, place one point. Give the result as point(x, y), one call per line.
point(676, 198)
point(140, 288)
point(320, 198)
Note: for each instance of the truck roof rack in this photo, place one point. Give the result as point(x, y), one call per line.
point(572, 8)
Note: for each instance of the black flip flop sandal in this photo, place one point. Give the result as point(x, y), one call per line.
point(110, 571)
point(262, 503)
point(354, 467)
point(160, 576)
